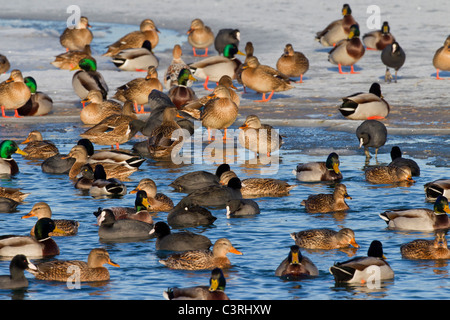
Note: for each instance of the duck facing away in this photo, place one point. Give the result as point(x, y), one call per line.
point(360, 269)
point(203, 259)
point(16, 278)
point(365, 105)
point(296, 266)
point(92, 270)
point(319, 171)
point(421, 219)
point(293, 63)
point(325, 238)
point(324, 203)
point(398, 160)
point(190, 216)
point(43, 210)
point(199, 179)
point(441, 58)
point(426, 249)
point(215, 290)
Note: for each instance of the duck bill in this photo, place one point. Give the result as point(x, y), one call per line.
point(113, 264)
point(192, 78)
point(85, 101)
point(214, 285)
point(410, 179)
point(295, 258)
point(75, 68)
point(28, 215)
point(353, 243)
point(134, 191)
point(244, 126)
point(19, 151)
point(447, 209)
point(26, 141)
point(189, 31)
point(336, 168)
point(179, 116)
point(241, 53)
point(348, 197)
point(58, 230)
point(146, 203)
point(9, 80)
point(235, 251)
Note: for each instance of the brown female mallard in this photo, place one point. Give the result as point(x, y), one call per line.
point(97, 108)
point(338, 29)
point(427, 249)
point(93, 270)
point(200, 37)
point(147, 31)
point(14, 93)
point(13, 194)
point(137, 90)
point(70, 59)
point(325, 238)
point(4, 64)
point(293, 63)
point(157, 201)
point(220, 112)
point(322, 203)
point(43, 210)
point(441, 58)
point(348, 51)
point(77, 38)
point(263, 79)
point(388, 174)
point(259, 138)
point(203, 259)
point(37, 147)
point(378, 39)
point(215, 290)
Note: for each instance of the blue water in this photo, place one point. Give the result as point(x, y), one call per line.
point(264, 239)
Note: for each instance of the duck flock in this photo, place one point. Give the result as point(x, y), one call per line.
point(173, 106)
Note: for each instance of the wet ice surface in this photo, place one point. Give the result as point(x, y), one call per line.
point(307, 116)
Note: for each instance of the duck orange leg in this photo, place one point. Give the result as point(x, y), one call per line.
point(437, 75)
point(340, 69)
point(264, 99)
point(205, 84)
point(353, 71)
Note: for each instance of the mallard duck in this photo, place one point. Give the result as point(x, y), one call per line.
point(85, 178)
point(115, 129)
point(70, 59)
point(348, 51)
point(137, 90)
point(181, 94)
point(388, 174)
point(356, 270)
point(419, 219)
point(147, 31)
point(215, 195)
point(441, 58)
point(123, 229)
point(80, 155)
point(265, 187)
point(16, 278)
point(249, 50)
point(88, 78)
point(189, 216)
point(8, 165)
point(241, 207)
point(323, 203)
point(436, 188)
point(14, 93)
point(338, 29)
point(426, 249)
point(77, 37)
point(215, 290)
point(179, 241)
point(8, 205)
point(371, 134)
point(198, 179)
point(259, 138)
point(398, 160)
point(319, 171)
point(164, 138)
point(136, 59)
point(4, 64)
point(213, 68)
point(200, 37)
point(292, 63)
point(296, 266)
point(138, 212)
point(394, 57)
point(365, 106)
point(98, 108)
point(13, 193)
point(156, 201)
point(93, 270)
point(202, 259)
point(102, 186)
point(325, 238)
point(39, 103)
point(176, 65)
point(263, 79)
point(225, 37)
point(220, 112)
point(378, 39)
point(37, 147)
point(65, 227)
point(38, 246)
